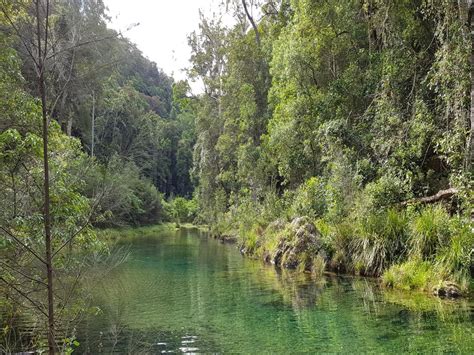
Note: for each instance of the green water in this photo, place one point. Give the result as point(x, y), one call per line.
point(184, 292)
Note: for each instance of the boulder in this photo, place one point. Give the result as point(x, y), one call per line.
point(447, 289)
point(300, 245)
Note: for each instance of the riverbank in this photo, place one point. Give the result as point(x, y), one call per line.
point(317, 248)
point(427, 251)
point(180, 291)
point(113, 235)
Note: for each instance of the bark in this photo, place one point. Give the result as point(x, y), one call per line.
point(440, 195)
point(252, 22)
point(470, 148)
point(69, 124)
point(47, 202)
point(93, 124)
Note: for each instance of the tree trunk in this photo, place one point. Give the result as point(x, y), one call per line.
point(46, 207)
point(440, 195)
point(93, 124)
point(252, 22)
point(470, 147)
point(69, 125)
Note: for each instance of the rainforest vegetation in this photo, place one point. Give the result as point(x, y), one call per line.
point(329, 135)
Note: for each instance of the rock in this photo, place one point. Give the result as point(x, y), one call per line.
point(276, 225)
point(447, 289)
point(267, 256)
point(300, 221)
point(300, 246)
point(281, 249)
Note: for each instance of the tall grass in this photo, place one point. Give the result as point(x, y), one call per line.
point(380, 241)
point(441, 248)
point(429, 232)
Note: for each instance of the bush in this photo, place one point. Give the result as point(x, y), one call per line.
point(310, 199)
point(387, 190)
point(183, 210)
point(125, 198)
point(342, 188)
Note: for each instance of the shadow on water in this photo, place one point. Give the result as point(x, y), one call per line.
point(184, 292)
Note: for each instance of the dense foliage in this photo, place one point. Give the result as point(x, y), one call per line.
point(345, 112)
point(118, 136)
point(350, 119)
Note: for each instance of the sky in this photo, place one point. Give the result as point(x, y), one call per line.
point(163, 28)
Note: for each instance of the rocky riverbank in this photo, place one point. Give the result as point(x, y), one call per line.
point(299, 245)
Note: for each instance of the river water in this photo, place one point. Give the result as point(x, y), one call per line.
point(184, 292)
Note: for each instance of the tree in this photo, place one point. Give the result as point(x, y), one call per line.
point(42, 26)
point(470, 148)
point(62, 223)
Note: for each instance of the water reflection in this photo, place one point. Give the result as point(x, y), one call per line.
point(185, 293)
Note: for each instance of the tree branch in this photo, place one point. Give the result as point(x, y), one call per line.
point(23, 245)
point(440, 195)
point(24, 295)
point(252, 22)
point(23, 274)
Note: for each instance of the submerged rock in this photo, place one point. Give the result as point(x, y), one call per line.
point(447, 289)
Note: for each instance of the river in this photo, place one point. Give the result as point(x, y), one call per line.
point(184, 292)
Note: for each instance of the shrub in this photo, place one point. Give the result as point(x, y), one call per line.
point(342, 188)
point(126, 198)
point(310, 199)
point(386, 191)
point(183, 210)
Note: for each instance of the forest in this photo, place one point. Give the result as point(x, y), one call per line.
point(329, 136)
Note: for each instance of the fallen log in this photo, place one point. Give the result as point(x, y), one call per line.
point(440, 195)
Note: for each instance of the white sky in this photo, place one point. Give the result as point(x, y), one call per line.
point(163, 29)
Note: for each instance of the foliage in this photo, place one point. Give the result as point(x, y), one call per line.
point(414, 274)
point(430, 231)
point(125, 197)
point(183, 210)
point(343, 112)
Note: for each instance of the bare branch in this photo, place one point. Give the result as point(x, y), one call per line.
point(23, 41)
point(77, 45)
point(24, 295)
point(35, 254)
point(440, 195)
point(22, 273)
point(252, 22)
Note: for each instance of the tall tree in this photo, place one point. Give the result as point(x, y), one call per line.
point(470, 148)
point(42, 27)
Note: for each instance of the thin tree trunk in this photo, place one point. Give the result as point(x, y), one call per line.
point(252, 22)
point(46, 210)
point(470, 148)
point(69, 125)
point(93, 124)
